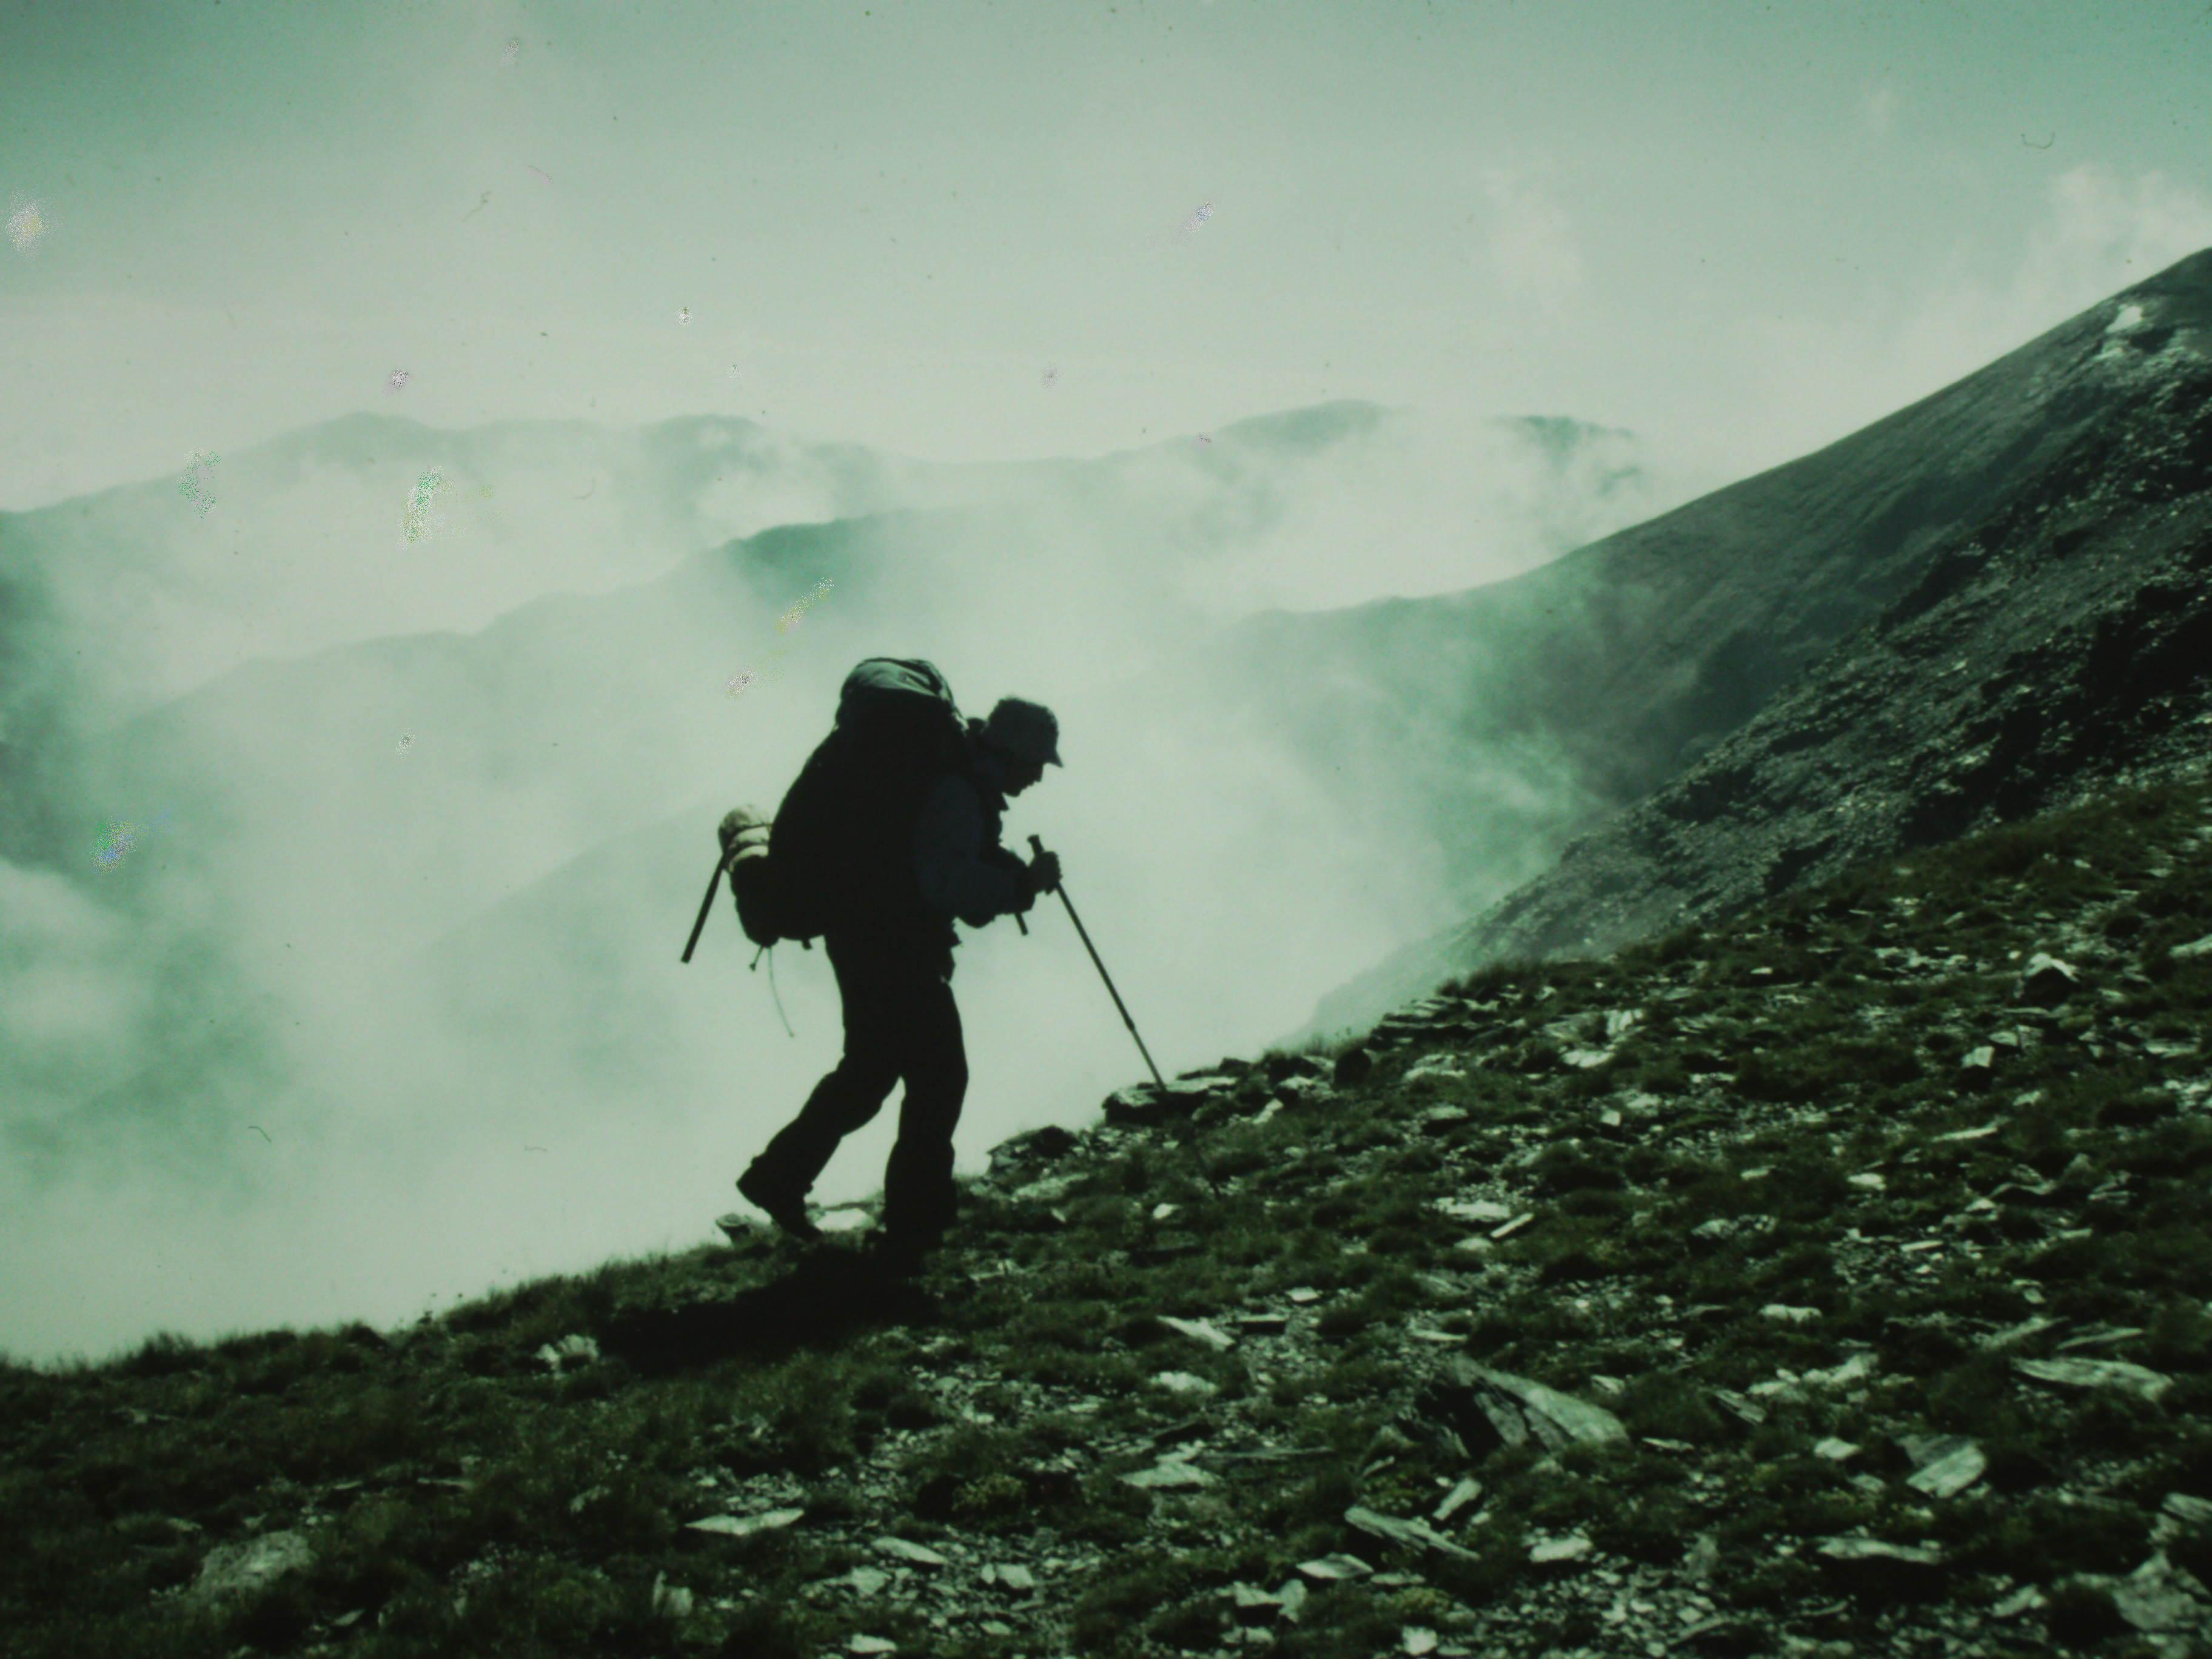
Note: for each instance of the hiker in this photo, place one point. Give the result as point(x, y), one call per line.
point(892, 950)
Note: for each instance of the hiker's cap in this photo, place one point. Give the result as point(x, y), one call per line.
point(1025, 730)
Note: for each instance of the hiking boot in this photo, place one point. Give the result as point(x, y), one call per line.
point(785, 1208)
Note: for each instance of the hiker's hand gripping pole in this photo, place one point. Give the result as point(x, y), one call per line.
point(1037, 847)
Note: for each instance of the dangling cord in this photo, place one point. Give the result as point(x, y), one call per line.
point(767, 951)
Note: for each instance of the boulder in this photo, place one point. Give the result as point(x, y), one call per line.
point(1034, 1146)
point(1153, 1102)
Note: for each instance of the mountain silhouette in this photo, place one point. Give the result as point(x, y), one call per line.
point(1880, 638)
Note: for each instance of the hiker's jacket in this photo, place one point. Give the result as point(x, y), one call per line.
point(959, 868)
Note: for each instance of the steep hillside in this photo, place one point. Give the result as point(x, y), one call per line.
point(1833, 1281)
point(1575, 688)
point(2055, 642)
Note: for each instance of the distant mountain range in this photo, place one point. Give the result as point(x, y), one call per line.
point(379, 738)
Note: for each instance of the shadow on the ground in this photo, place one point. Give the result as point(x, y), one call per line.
point(820, 1300)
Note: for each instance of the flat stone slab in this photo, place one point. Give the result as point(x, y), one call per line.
point(1171, 1474)
point(1948, 1464)
point(746, 1526)
point(1573, 1547)
point(1577, 1420)
point(1877, 1549)
point(1475, 1209)
point(1199, 1331)
point(2137, 1380)
point(1331, 1569)
point(905, 1549)
point(1405, 1532)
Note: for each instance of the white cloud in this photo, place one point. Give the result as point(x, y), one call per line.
point(1531, 248)
point(1820, 374)
point(2105, 232)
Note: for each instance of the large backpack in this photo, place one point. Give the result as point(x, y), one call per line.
point(839, 848)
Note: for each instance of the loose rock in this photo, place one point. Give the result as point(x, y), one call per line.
point(746, 1526)
point(2137, 1380)
point(1171, 1474)
point(1199, 1331)
point(245, 1567)
point(1331, 1568)
point(2048, 980)
point(569, 1350)
point(906, 1549)
point(1876, 1549)
point(1405, 1532)
point(1572, 1547)
point(1948, 1464)
point(1464, 1491)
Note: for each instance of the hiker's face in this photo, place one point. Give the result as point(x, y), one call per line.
point(1021, 773)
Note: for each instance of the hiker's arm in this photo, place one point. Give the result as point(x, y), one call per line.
point(952, 864)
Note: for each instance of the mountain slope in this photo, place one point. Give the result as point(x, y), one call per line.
point(1670, 636)
point(1833, 1280)
point(2057, 639)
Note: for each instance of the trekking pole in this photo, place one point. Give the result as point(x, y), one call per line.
point(707, 903)
point(1037, 847)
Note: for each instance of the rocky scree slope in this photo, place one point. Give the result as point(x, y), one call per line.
point(1831, 1283)
point(2052, 636)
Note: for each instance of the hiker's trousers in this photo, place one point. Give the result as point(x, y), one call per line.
point(900, 1023)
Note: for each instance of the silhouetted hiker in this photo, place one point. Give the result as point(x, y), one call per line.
point(890, 941)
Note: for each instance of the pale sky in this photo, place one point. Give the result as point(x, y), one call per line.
point(968, 231)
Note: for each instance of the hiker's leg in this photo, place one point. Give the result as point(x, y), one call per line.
point(854, 1091)
point(919, 1196)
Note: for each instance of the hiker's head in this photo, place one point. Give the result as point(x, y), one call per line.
point(1025, 737)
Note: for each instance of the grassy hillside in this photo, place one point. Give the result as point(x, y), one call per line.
point(1863, 1261)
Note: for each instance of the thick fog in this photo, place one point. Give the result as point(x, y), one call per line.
point(342, 967)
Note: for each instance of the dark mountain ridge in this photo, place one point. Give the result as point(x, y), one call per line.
point(2058, 493)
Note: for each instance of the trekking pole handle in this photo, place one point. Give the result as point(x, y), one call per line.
point(1018, 922)
point(1037, 847)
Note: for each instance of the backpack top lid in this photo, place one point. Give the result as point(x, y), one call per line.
point(882, 685)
